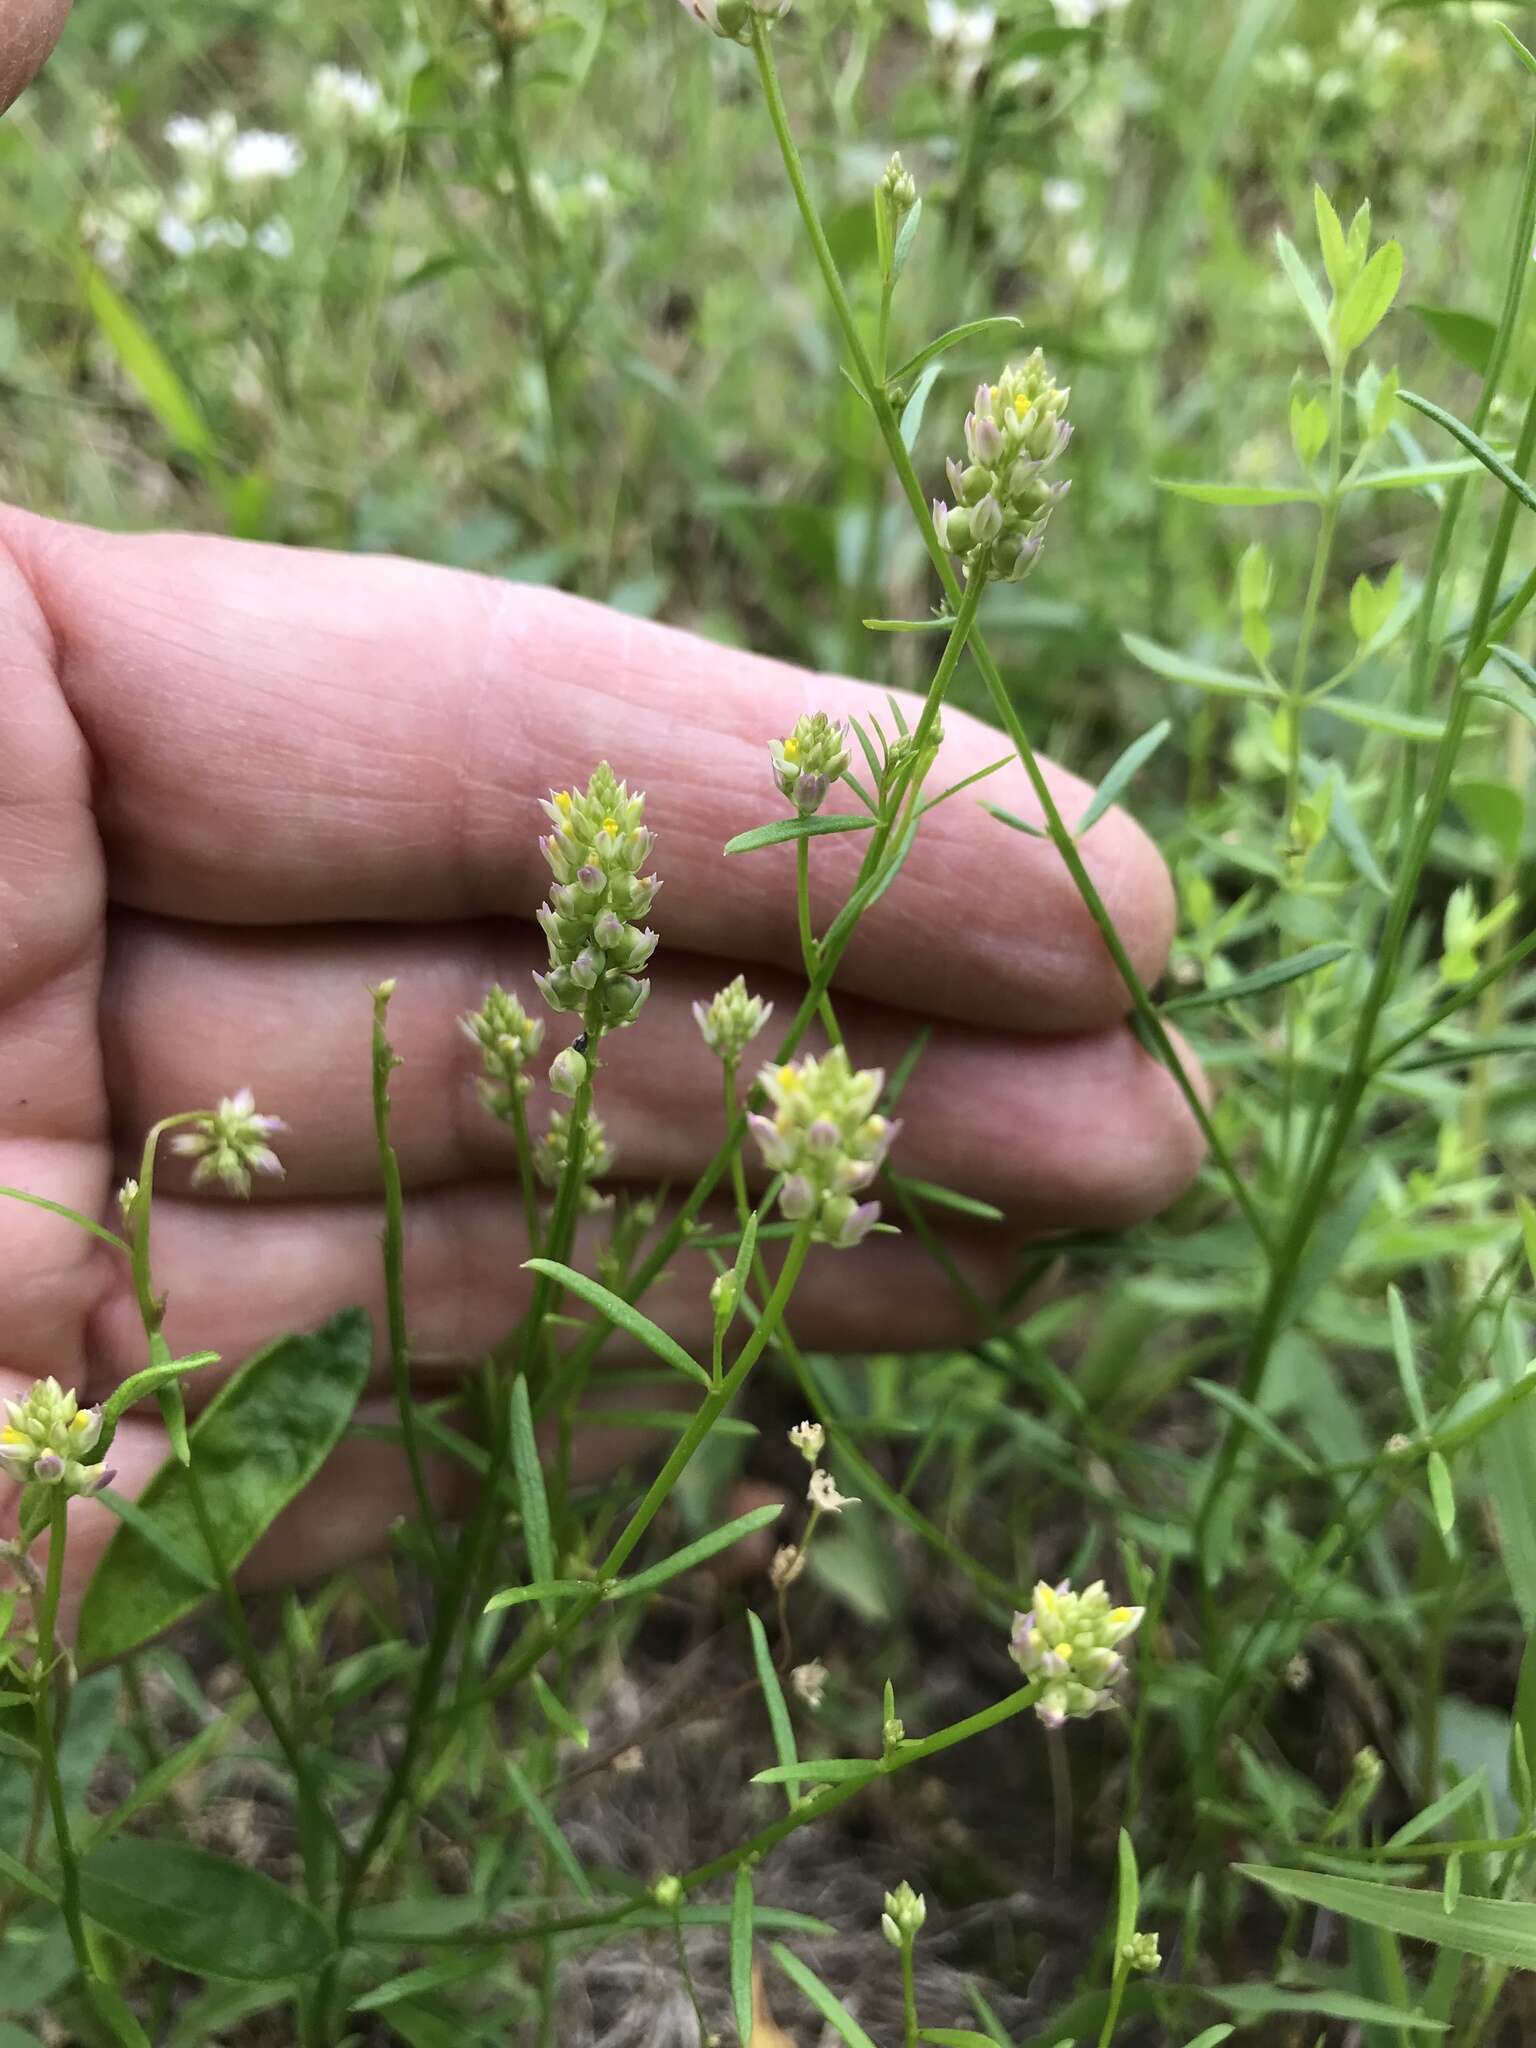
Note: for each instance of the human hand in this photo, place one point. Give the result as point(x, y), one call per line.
point(238, 784)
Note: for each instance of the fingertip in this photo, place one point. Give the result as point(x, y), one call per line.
point(28, 31)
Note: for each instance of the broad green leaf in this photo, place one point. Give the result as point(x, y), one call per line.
point(1466, 336)
point(692, 1554)
point(1498, 1930)
point(831, 2008)
point(1276, 975)
point(1178, 668)
point(1494, 809)
point(741, 1953)
point(148, 368)
point(623, 1315)
point(1135, 757)
point(1238, 494)
point(1370, 296)
point(1474, 443)
point(773, 1698)
point(1305, 288)
point(256, 1445)
point(785, 829)
point(200, 1913)
point(997, 331)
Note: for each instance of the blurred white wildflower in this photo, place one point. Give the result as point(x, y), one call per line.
point(259, 154)
point(810, 1682)
point(339, 98)
point(824, 1497)
point(1061, 195)
point(1084, 13)
point(274, 238)
point(808, 1439)
point(206, 140)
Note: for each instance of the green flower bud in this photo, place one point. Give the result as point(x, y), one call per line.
point(899, 188)
point(905, 1912)
point(730, 1021)
point(827, 1139)
point(47, 1436)
point(1004, 497)
point(553, 1150)
point(568, 1072)
point(508, 1039)
point(1141, 1953)
point(723, 1297)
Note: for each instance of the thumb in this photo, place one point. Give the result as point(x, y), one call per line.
point(28, 31)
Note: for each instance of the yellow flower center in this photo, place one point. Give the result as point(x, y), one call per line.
point(1021, 405)
point(791, 749)
point(81, 1420)
point(563, 799)
point(610, 825)
point(788, 1078)
point(13, 1436)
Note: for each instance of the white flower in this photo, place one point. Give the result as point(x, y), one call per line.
point(256, 154)
point(808, 1439)
point(1061, 195)
point(966, 29)
point(810, 1682)
point(177, 235)
point(824, 1497)
point(190, 135)
point(343, 99)
point(230, 1143)
point(275, 238)
point(788, 1564)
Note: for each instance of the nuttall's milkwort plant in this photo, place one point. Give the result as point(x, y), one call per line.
point(1349, 970)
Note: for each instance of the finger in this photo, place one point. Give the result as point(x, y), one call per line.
point(236, 1278)
point(320, 737)
point(1082, 1131)
point(28, 31)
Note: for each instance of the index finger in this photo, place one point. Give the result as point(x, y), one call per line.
point(28, 31)
point(285, 736)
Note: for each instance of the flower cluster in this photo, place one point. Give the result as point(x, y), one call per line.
point(1072, 1640)
point(47, 1435)
point(596, 852)
point(230, 1144)
point(905, 1912)
point(806, 765)
point(827, 1140)
point(554, 1149)
point(733, 18)
point(730, 1021)
point(508, 1038)
point(1003, 497)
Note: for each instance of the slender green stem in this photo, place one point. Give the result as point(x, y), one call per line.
point(529, 1190)
point(1117, 1986)
point(809, 951)
point(901, 460)
point(1464, 996)
point(44, 1706)
point(908, 1996)
point(384, 1062)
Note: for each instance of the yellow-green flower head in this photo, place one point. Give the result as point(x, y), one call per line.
point(899, 187)
point(733, 18)
point(730, 1021)
point(508, 1038)
point(1072, 1640)
point(827, 1139)
point(46, 1436)
point(230, 1144)
point(806, 765)
point(1141, 1952)
point(905, 1912)
point(596, 946)
point(553, 1150)
point(1003, 497)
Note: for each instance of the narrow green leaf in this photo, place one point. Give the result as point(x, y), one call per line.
point(139, 1384)
point(558, 1714)
point(1135, 757)
point(1014, 822)
point(1258, 1422)
point(1305, 288)
point(1474, 443)
point(906, 235)
point(773, 1697)
point(540, 1590)
point(696, 1553)
point(831, 2008)
point(1435, 1815)
point(547, 1828)
point(148, 367)
point(941, 624)
point(1498, 1930)
point(956, 2037)
point(1258, 2001)
point(1442, 1493)
point(1330, 238)
point(1450, 1889)
point(1403, 1352)
point(741, 1953)
point(996, 331)
point(1212, 2037)
point(624, 1316)
point(1406, 725)
point(1127, 1893)
point(15, 1872)
point(200, 1913)
point(782, 830)
point(1163, 661)
point(1276, 975)
point(932, 1196)
point(1370, 296)
point(826, 1770)
point(1517, 46)
point(258, 1443)
point(1238, 494)
point(528, 1482)
point(1412, 476)
point(912, 412)
point(1523, 705)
